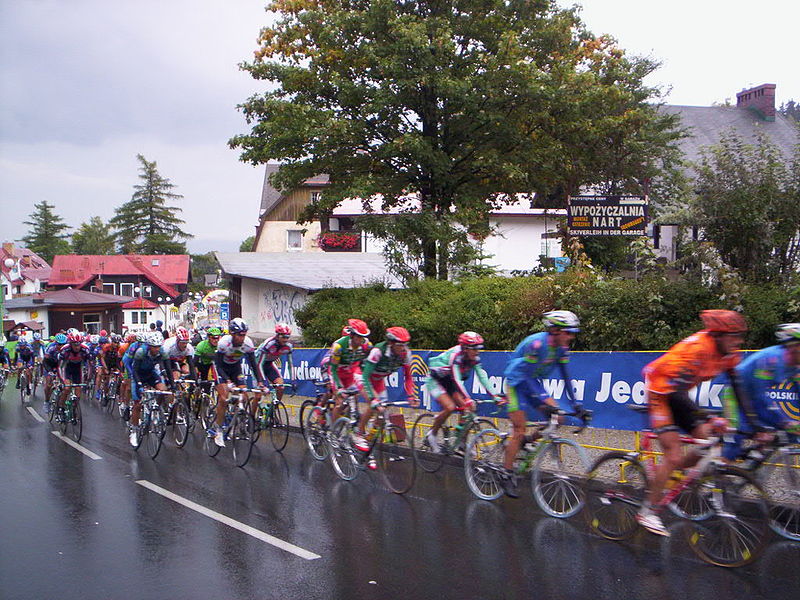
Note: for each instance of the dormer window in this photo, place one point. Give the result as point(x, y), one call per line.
point(154, 262)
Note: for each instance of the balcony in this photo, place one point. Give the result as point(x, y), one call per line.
point(340, 241)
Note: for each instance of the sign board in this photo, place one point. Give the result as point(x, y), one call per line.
point(224, 310)
point(607, 215)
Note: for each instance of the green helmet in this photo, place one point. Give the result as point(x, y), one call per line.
point(214, 331)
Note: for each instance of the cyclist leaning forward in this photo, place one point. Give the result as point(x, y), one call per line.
point(24, 359)
point(71, 359)
point(270, 351)
point(178, 354)
point(231, 351)
point(346, 355)
point(149, 370)
point(384, 359)
point(534, 358)
point(204, 354)
point(109, 361)
point(445, 383)
point(699, 357)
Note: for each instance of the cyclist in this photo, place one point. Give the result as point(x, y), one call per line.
point(24, 359)
point(71, 360)
point(50, 364)
point(5, 357)
point(179, 354)
point(445, 383)
point(270, 351)
point(109, 361)
point(758, 374)
point(148, 370)
point(204, 354)
point(344, 364)
point(232, 349)
point(534, 358)
point(700, 357)
point(384, 359)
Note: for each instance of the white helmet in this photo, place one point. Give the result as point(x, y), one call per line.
point(154, 338)
point(788, 332)
point(563, 319)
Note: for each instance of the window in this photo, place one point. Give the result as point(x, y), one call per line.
point(91, 322)
point(94, 289)
point(154, 262)
point(143, 318)
point(294, 239)
point(109, 288)
point(126, 289)
point(316, 196)
point(134, 318)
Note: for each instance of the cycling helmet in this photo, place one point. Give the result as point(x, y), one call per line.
point(237, 325)
point(562, 319)
point(94, 339)
point(216, 331)
point(103, 339)
point(182, 334)
point(470, 339)
point(130, 338)
point(74, 337)
point(357, 327)
point(154, 338)
point(61, 338)
point(72, 330)
point(116, 339)
point(37, 337)
point(141, 337)
point(281, 329)
point(22, 343)
point(398, 334)
point(723, 321)
point(103, 333)
point(788, 332)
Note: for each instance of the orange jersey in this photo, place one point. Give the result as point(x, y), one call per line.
point(687, 363)
point(122, 348)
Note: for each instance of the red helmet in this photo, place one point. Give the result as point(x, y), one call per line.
point(470, 339)
point(398, 334)
point(357, 327)
point(281, 329)
point(723, 321)
point(103, 333)
point(73, 338)
point(182, 334)
point(130, 338)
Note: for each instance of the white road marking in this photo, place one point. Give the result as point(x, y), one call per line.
point(36, 415)
point(252, 531)
point(77, 446)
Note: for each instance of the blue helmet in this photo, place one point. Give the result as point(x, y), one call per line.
point(61, 338)
point(37, 337)
point(22, 343)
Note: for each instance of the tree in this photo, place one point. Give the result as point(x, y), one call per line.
point(94, 237)
point(748, 205)
point(47, 235)
point(462, 104)
point(790, 109)
point(247, 244)
point(145, 224)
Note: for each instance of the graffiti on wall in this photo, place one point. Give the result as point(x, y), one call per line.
point(280, 305)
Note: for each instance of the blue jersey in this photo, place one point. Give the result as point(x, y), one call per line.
point(759, 373)
point(534, 358)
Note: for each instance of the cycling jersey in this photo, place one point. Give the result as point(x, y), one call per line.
point(382, 362)
point(345, 361)
point(109, 354)
point(452, 367)
point(70, 361)
point(149, 369)
point(533, 359)
point(228, 359)
point(38, 348)
point(5, 357)
point(171, 351)
point(24, 355)
point(204, 353)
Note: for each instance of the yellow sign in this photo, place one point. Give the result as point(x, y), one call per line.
point(34, 314)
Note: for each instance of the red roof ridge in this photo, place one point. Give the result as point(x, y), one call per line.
point(134, 259)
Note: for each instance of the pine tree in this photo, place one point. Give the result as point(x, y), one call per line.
point(47, 235)
point(94, 237)
point(145, 224)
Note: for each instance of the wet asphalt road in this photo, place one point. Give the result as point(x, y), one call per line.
point(74, 527)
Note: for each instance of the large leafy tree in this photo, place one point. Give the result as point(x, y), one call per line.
point(93, 237)
point(748, 203)
point(146, 224)
point(47, 235)
point(461, 102)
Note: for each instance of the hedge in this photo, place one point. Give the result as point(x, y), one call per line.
point(616, 314)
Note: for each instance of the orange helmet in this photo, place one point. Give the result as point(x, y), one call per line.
point(398, 334)
point(723, 321)
point(357, 327)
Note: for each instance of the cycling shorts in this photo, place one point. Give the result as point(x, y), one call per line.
point(270, 371)
point(72, 372)
point(530, 392)
point(230, 373)
point(26, 362)
point(438, 386)
point(379, 387)
point(349, 377)
point(672, 412)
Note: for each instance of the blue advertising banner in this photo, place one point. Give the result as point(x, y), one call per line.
point(606, 382)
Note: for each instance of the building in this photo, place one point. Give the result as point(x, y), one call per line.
point(267, 288)
point(28, 273)
point(161, 280)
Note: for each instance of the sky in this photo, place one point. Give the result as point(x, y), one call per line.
point(86, 85)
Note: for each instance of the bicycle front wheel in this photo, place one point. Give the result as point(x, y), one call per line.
point(616, 486)
point(781, 480)
point(395, 459)
point(241, 434)
point(75, 424)
point(155, 432)
point(305, 408)
point(279, 426)
point(425, 456)
point(342, 454)
point(483, 464)
point(315, 433)
point(557, 479)
point(23, 387)
point(180, 423)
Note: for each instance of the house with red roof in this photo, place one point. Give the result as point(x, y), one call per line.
point(27, 272)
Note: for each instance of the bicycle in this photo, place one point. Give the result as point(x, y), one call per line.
point(110, 392)
point(272, 415)
point(37, 376)
point(556, 464)
point(323, 389)
point(69, 416)
point(317, 428)
point(3, 379)
point(152, 422)
point(24, 384)
point(51, 401)
point(385, 438)
point(728, 531)
point(452, 439)
point(238, 426)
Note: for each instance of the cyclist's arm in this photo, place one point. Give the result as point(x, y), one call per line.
point(290, 362)
point(483, 378)
point(255, 367)
point(336, 356)
point(743, 399)
point(568, 386)
point(369, 368)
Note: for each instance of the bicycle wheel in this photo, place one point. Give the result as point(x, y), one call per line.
point(75, 424)
point(426, 458)
point(737, 531)
point(180, 424)
point(279, 426)
point(342, 454)
point(23, 386)
point(209, 423)
point(557, 478)
point(616, 486)
point(483, 464)
point(208, 406)
point(155, 432)
point(395, 459)
point(241, 434)
point(50, 402)
point(315, 433)
point(692, 503)
point(305, 407)
point(36, 379)
point(780, 478)
point(63, 417)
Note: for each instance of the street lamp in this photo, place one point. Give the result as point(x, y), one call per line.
point(164, 310)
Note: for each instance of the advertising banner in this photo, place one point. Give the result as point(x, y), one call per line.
point(607, 383)
point(607, 215)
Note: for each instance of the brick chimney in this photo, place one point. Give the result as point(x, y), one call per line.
point(761, 99)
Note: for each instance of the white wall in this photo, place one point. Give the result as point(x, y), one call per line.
point(274, 238)
point(20, 315)
point(265, 303)
point(518, 242)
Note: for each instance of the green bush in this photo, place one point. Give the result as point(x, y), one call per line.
point(616, 314)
